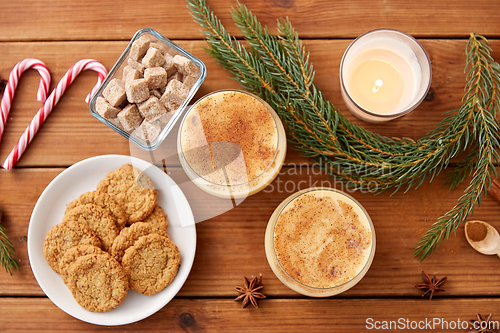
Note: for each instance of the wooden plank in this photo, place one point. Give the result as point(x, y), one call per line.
point(30, 20)
point(71, 134)
point(19, 194)
point(231, 245)
point(273, 315)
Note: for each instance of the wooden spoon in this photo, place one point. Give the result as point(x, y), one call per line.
point(483, 237)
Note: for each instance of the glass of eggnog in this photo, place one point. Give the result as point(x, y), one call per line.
point(320, 242)
point(231, 144)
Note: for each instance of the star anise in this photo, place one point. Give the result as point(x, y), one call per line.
point(430, 285)
point(481, 325)
point(249, 292)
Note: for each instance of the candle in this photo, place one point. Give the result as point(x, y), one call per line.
point(384, 74)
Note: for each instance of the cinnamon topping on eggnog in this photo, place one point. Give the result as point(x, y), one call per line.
point(320, 241)
point(229, 138)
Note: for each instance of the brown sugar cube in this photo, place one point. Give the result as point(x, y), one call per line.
point(175, 92)
point(114, 92)
point(148, 131)
point(153, 58)
point(160, 46)
point(130, 117)
point(105, 109)
point(130, 73)
point(156, 77)
point(136, 65)
point(139, 48)
point(152, 109)
point(169, 64)
point(162, 90)
point(189, 81)
point(169, 104)
point(155, 92)
point(115, 121)
point(184, 65)
point(176, 76)
point(137, 90)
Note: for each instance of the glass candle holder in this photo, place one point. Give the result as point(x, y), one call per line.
point(231, 144)
point(384, 74)
point(320, 242)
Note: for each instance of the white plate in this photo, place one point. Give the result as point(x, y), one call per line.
point(49, 210)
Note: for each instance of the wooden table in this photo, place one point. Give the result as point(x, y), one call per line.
point(231, 245)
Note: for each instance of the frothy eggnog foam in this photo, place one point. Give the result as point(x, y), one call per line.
point(320, 240)
point(230, 138)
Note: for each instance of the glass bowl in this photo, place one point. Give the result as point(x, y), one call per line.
point(231, 144)
point(164, 124)
point(320, 242)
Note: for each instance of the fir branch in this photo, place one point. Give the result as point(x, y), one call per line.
point(481, 92)
point(462, 170)
point(7, 257)
point(481, 181)
point(294, 75)
point(227, 51)
point(347, 146)
point(364, 159)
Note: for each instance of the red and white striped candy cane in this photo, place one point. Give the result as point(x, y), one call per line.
point(11, 86)
point(49, 104)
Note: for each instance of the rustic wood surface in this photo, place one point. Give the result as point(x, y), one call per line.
point(281, 315)
point(231, 245)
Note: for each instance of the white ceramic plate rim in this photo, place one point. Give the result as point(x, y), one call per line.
point(49, 210)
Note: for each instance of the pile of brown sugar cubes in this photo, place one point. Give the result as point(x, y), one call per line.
point(154, 84)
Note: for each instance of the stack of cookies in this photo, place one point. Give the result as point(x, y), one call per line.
point(113, 239)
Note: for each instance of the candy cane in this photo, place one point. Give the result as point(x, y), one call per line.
point(11, 86)
point(49, 104)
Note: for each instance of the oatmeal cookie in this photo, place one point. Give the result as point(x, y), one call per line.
point(98, 219)
point(130, 235)
point(97, 282)
point(103, 200)
point(72, 254)
point(151, 264)
point(157, 218)
point(133, 190)
point(64, 236)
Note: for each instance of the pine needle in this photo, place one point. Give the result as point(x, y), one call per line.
point(278, 69)
point(7, 257)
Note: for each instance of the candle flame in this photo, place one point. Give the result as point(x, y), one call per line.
point(377, 86)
